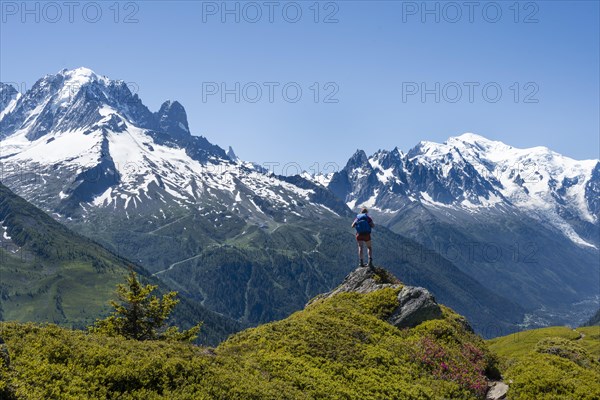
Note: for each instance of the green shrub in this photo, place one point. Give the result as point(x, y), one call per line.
point(547, 376)
point(566, 349)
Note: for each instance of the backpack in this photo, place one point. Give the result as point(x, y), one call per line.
point(362, 224)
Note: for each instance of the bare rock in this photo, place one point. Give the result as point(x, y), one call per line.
point(363, 280)
point(416, 305)
point(497, 390)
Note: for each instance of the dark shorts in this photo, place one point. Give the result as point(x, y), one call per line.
point(363, 237)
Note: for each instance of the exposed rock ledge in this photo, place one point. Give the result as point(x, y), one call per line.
point(415, 304)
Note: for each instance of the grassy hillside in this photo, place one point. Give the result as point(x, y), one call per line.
point(551, 363)
point(51, 274)
point(337, 348)
point(48, 272)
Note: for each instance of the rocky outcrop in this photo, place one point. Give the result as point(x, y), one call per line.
point(497, 390)
point(415, 304)
point(172, 119)
point(363, 280)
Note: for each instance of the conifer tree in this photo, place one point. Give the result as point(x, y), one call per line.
point(139, 315)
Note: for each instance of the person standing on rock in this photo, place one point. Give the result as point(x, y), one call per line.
point(363, 225)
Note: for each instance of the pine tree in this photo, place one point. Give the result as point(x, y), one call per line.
point(138, 315)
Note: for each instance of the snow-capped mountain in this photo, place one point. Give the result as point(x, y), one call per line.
point(470, 172)
point(523, 222)
point(94, 144)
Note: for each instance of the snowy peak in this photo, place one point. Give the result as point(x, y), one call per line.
point(387, 159)
point(467, 146)
point(81, 76)
point(8, 99)
point(231, 154)
point(536, 178)
point(65, 86)
point(70, 100)
point(472, 138)
point(172, 119)
point(7, 94)
point(97, 148)
point(6, 90)
point(426, 151)
point(358, 159)
point(80, 99)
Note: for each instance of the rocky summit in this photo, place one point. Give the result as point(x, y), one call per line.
point(415, 304)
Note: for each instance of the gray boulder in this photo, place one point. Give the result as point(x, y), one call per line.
point(416, 305)
point(497, 390)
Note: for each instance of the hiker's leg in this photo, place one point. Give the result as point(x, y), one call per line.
point(360, 251)
point(370, 253)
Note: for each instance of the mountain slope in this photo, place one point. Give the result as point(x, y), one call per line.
point(262, 276)
point(510, 254)
point(594, 319)
point(49, 273)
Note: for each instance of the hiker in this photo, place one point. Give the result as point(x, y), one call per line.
point(363, 225)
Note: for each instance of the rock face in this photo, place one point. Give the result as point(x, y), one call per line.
point(416, 304)
point(363, 280)
point(497, 391)
point(172, 119)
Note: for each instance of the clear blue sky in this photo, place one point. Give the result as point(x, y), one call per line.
point(376, 55)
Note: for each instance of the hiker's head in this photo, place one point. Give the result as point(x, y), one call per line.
point(364, 210)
